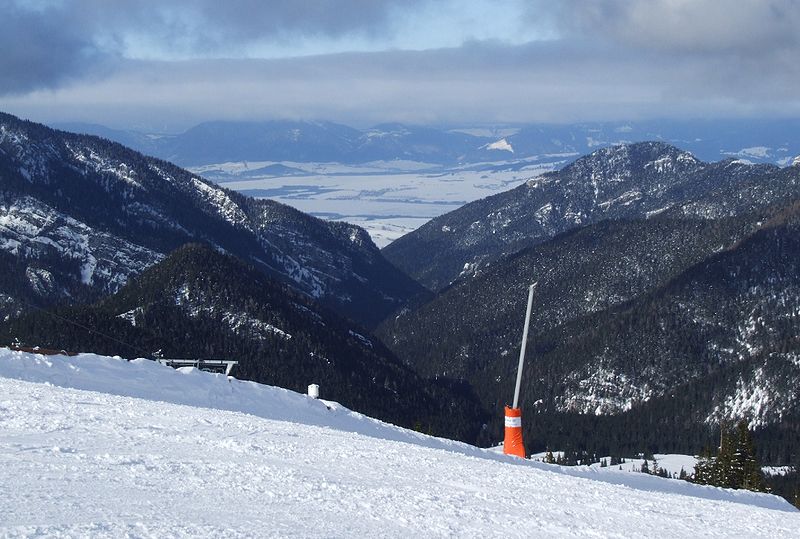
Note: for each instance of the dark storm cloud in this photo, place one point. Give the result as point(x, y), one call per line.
point(44, 43)
point(37, 49)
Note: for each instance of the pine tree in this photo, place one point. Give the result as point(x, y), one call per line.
point(723, 473)
point(747, 468)
point(704, 469)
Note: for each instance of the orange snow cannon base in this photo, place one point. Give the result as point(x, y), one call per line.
point(513, 445)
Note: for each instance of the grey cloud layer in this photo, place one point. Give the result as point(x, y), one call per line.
point(742, 27)
point(483, 82)
point(614, 59)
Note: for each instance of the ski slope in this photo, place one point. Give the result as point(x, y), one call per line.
point(96, 446)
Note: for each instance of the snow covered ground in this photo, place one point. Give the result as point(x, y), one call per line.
point(94, 446)
point(389, 198)
point(672, 463)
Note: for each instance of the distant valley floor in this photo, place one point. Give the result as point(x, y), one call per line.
point(388, 199)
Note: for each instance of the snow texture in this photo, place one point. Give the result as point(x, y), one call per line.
point(95, 446)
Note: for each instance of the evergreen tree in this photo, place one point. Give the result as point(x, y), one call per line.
point(735, 465)
point(704, 469)
point(722, 471)
point(747, 470)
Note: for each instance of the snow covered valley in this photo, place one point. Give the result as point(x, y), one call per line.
point(96, 446)
point(388, 199)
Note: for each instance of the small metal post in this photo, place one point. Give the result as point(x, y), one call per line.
point(524, 344)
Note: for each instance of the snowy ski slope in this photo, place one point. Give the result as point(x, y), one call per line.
point(96, 446)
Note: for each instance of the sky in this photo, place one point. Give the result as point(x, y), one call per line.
point(168, 65)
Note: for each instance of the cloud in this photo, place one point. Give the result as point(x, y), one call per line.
point(48, 42)
point(743, 27)
point(479, 82)
point(170, 63)
point(39, 50)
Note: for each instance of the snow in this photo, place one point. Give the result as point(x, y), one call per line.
point(759, 152)
point(196, 304)
point(501, 144)
point(221, 202)
point(777, 470)
point(104, 165)
point(624, 199)
point(32, 228)
point(388, 199)
point(753, 398)
point(130, 316)
point(673, 463)
point(97, 446)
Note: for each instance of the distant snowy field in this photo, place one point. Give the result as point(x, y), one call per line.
point(388, 199)
point(94, 446)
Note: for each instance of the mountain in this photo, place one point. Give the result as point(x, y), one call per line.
point(758, 141)
point(295, 141)
point(199, 303)
point(145, 143)
point(647, 330)
point(388, 142)
point(80, 215)
point(220, 142)
point(621, 182)
point(716, 344)
point(473, 322)
point(755, 140)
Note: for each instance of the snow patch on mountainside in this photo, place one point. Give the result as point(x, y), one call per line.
point(755, 398)
point(222, 203)
point(103, 165)
point(33, 158)
point(196, 304)
point(759, 152)
point(601, 391)
point(501, 144)
point(32, 229)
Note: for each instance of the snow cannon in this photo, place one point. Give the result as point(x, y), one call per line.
point(512, 442)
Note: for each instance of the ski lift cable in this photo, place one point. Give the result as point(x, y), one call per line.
point(86, 328)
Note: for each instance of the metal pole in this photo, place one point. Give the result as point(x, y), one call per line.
point(524, 343)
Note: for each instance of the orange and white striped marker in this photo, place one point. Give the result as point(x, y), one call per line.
point(512, 443)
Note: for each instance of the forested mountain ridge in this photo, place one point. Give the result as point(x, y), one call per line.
point(621, 182)
point(199, 303)
point(692, 310)
point(80, 215)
